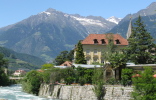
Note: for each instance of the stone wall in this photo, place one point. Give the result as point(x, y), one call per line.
point(64, 92)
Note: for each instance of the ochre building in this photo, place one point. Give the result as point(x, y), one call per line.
point(95, 44)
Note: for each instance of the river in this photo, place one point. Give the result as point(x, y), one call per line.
point(14, 92)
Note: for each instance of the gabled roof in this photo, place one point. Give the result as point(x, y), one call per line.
point(67, 63)
point(91, 37)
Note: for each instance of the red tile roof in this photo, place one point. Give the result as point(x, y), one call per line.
point(90, 39)
point(67, 63)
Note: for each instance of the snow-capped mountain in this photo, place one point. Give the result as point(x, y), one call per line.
point(48, 33)
point(94, 24)
point(114, 19)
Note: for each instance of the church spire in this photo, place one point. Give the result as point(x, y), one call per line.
point(129, 31)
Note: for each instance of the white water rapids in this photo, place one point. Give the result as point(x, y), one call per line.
point(15, 92)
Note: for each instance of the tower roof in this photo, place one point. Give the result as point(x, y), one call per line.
point(129, 31)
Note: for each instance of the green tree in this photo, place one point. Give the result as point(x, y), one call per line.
point(110, 48)
point(47, 66)
point(116, 58)
point(4, 79)
point(144, 85)
point(68, 74)
point(32, 82)
point(3, 62)
point(64, 56)
point(80, 72)
point(98, 81)
point(83, 75)
point(141, 44)
point(126, 76)
point(56, 75)
point(80, 57)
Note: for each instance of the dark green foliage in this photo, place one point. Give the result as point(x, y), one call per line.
point(3, 62)
point(126, 76)
point(84, 75)
point(118, 60)
point(4, 79)
point(64, 56)
point(56, 74)
point(144, 86)
point(111, 81)
point(79, 58)
point(141, 45)
point(31, 82)
point(110, 48)
point(68, 75)
point(98, 82)
point(88, 75)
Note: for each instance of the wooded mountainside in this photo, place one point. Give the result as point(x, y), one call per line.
point(21, 60)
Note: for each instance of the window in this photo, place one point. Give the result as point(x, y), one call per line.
point(95, 41)
point(95, 52)
point(103, 41)
point(95, 60)
point(117, 41)
point(87, 52)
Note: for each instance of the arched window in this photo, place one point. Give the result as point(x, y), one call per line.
point(103, 41)
point(95, 41)
point(117, 41)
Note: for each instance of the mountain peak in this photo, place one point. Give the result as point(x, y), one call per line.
point(114, 19)
point(51, 10)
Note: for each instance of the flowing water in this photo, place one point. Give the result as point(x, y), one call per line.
point(15, 92)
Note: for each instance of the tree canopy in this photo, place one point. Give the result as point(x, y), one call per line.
point(80, 57)
point(64, 56)
point(141, 44)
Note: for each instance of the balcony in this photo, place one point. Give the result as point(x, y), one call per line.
point(88, 56)
point(95, 57)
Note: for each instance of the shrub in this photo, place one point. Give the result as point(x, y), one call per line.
point(144, 85)
point(126, 76)
point(32, 82)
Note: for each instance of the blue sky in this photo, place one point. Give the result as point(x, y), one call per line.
point(12, 11)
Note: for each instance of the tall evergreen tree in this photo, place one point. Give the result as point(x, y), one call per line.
point(141, 44)
point(80, 57)
point(64, 56)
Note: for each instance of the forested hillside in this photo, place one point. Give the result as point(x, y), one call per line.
point(20, 60)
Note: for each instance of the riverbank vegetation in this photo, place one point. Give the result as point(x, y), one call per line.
point(144, 85)
point(4, 78)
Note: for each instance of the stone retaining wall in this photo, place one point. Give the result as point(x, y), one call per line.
point(64, 92)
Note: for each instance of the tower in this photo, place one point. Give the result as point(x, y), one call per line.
point(129, 31)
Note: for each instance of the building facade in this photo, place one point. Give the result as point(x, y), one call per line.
point(95, 44)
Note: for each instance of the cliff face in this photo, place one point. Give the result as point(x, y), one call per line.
point(84, 92)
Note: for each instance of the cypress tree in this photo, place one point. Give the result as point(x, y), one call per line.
point(80, 57)
point(141, 44)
